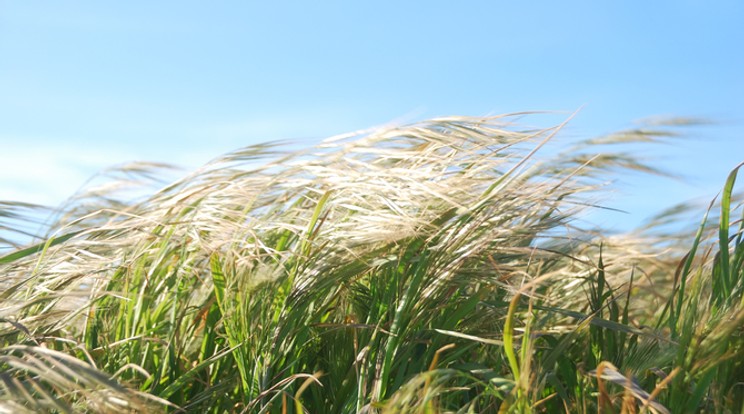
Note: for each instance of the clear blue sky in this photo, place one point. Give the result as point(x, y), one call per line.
point(84, 85)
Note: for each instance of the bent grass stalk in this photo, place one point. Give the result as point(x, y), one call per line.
point(393, 262)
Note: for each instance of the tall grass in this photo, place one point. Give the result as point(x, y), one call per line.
point(434, 267)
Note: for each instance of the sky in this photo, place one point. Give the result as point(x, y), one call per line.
point(86, 85)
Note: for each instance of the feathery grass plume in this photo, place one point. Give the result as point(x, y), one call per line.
point(376, 272)
point(111, 191)
point(39, 379)
point(19, 224)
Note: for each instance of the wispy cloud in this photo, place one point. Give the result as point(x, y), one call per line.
point(50, 173)
point(46, 170)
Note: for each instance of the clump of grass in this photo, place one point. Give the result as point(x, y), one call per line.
point(433, 267)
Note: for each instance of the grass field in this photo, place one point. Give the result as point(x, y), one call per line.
point(436, 267)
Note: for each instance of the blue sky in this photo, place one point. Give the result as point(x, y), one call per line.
point(85, 85)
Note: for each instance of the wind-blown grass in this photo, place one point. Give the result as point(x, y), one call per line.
point(434, 267)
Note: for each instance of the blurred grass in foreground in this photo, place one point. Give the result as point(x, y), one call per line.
point(429, 268)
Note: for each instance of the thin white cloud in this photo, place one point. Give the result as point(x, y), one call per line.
point(50, 173)
point(47, 171)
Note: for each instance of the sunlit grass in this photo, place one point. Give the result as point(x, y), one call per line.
point(435, 267)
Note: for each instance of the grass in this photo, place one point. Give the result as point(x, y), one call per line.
point(428, 268)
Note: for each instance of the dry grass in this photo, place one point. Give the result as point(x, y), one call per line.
point(378, 271)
